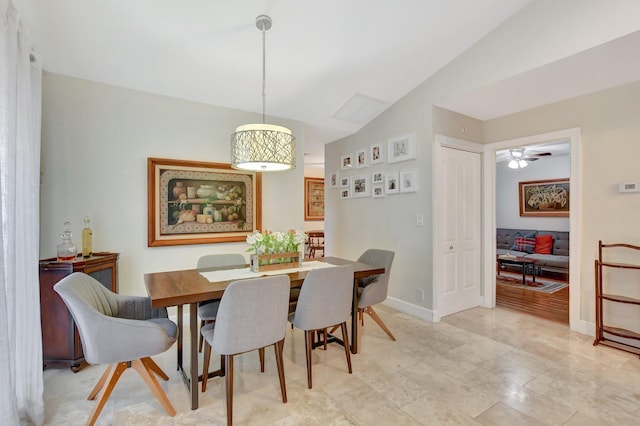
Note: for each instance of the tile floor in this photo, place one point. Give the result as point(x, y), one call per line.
point(478, 367)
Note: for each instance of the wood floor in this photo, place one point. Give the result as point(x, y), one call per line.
point(554, 306)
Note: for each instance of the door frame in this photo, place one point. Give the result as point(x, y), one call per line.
point(575, 220)
point(442, 142)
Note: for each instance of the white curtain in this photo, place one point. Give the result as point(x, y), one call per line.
point(21, 383)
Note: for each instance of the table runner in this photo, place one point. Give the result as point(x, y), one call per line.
point(244, 273)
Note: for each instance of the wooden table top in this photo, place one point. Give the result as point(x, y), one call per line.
point(174, 288)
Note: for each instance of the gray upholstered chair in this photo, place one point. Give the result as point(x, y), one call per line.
point(373, 290)
point(252, 315)
point(208, 310)
point(118, 330)
point(325, 300)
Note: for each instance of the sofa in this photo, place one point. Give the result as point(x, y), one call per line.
point(550, 259)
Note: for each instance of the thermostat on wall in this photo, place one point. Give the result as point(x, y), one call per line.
point(629, 187)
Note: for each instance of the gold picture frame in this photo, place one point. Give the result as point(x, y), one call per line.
point(544, 198)
point(313, 199)
point(195, 202)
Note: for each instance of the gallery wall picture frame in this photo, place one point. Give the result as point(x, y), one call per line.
point(345, 194)
point(360, 186)
point(361, 158)
point(334, 180)
point(376, 154)
point(377, 177)
point(313, 198)
point(544, 198)
point(401, 148)
point(377, 191)
point(195, 202)
point(344, 181)
point(391, 185)
point(346, 162)
point(408, 181)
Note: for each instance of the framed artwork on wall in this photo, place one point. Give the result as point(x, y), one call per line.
point(361, 158)
point(542, 198)
point(360, 186)
point(334, 180)
point(344, 182)
point(344, 194)
point(401, 148)
point(408, 181)
point(375, 153)
point(377, 177)
point(346, 162)
point(391, 183)
point(194, 202)
point(313, 199)
point(377, 191)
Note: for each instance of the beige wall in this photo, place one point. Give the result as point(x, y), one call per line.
point(610, 131)
point(95, 143)
point(515, 47)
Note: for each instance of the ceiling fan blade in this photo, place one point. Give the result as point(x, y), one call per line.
point(531, 159)
point(540, 154)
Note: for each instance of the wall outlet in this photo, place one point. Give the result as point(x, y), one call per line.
point(420, 220)
point(420, 294)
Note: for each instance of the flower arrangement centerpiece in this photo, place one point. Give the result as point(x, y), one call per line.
point(275, 250)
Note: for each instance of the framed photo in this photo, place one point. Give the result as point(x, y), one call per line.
point(334, 180)
point(377, 191)
point(548, 197)
point(360, 186)
point(347, 162)
point(375, 153)
point(401, 148)
point(361, 158)
point(193, 202)
point(377, 177)
point(344, 194)
point(391, 185)
point(408, 181)
point(313, 199)
point(344, 182)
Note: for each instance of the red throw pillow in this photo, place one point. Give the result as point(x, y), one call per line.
point(524, 244)
point(544, 244)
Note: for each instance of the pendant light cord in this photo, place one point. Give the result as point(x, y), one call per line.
point(264, 72)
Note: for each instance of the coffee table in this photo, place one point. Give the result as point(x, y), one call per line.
point(524, 262)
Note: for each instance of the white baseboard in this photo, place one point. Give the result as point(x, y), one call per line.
point(409, 308)
point(585, 327)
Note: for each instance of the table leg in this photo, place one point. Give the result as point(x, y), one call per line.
point(524, 276)
point(533, 272)
point(354, 318)
point(179, 338)
point(193, 382)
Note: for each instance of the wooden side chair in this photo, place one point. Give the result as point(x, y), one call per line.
point(252, 315)
point(120, 331)
point(316, 243)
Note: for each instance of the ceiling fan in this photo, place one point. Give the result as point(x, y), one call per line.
point(519, 160)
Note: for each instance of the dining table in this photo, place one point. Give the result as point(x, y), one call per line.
point(190, 287)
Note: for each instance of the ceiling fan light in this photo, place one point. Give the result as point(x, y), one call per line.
point(513, 164)
point(522, 164)
point(516, 153)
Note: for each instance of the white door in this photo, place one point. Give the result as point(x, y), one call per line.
point(460, 230)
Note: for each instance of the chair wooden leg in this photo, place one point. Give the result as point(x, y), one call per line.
point(107, 372)
point(378, 321)
point(261, 355)
point(228, 362)
point(308, 345)
point(279, 347)
point(347, 350)
point(115, 371)
point(156, 369)
point(205, 366)
point(144, 369)
point(201, 341)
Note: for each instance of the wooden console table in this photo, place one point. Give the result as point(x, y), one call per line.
point(61, 344)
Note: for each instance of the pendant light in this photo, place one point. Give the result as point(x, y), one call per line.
point(263, 147)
